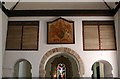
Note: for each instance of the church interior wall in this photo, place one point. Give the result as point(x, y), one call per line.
point(34, 57)
point(3, 29)
point(119, 42)
point(1, 45)
point(117, 24)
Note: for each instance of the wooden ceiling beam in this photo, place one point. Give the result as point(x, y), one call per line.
point(117, 8)
point(60, 13)
point(63, 12)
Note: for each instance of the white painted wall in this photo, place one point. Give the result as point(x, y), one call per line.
point(1, 43)
point(117, 24)
point(119, 42)
point(34, 57)
point(3, 28)
point(4, 33)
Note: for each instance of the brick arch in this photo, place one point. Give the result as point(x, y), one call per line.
point(68, 51)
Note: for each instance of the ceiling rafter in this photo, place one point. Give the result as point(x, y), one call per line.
point(107, 5)
point(117, 8)
point(15, 5)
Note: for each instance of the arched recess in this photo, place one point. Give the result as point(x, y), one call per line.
point(69, 63)
point(22, 68)
point(56, 51)
point(104, 68)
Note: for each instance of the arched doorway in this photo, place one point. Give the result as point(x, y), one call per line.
point(63, 66)
point(101, 70)
point(58, 52)
point(22, 68)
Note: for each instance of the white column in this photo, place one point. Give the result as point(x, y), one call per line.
point(101, 70)
point(3, 33)
point(117, 26)
point(22, 69)
point(20, 74)
point(119, 41)
point(1, 44)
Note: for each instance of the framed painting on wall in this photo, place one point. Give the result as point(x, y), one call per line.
point(60, 31)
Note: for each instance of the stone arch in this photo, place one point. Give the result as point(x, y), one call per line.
point(107, 68)
point(69, 51)
point(28, 65)
point(19, 60)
